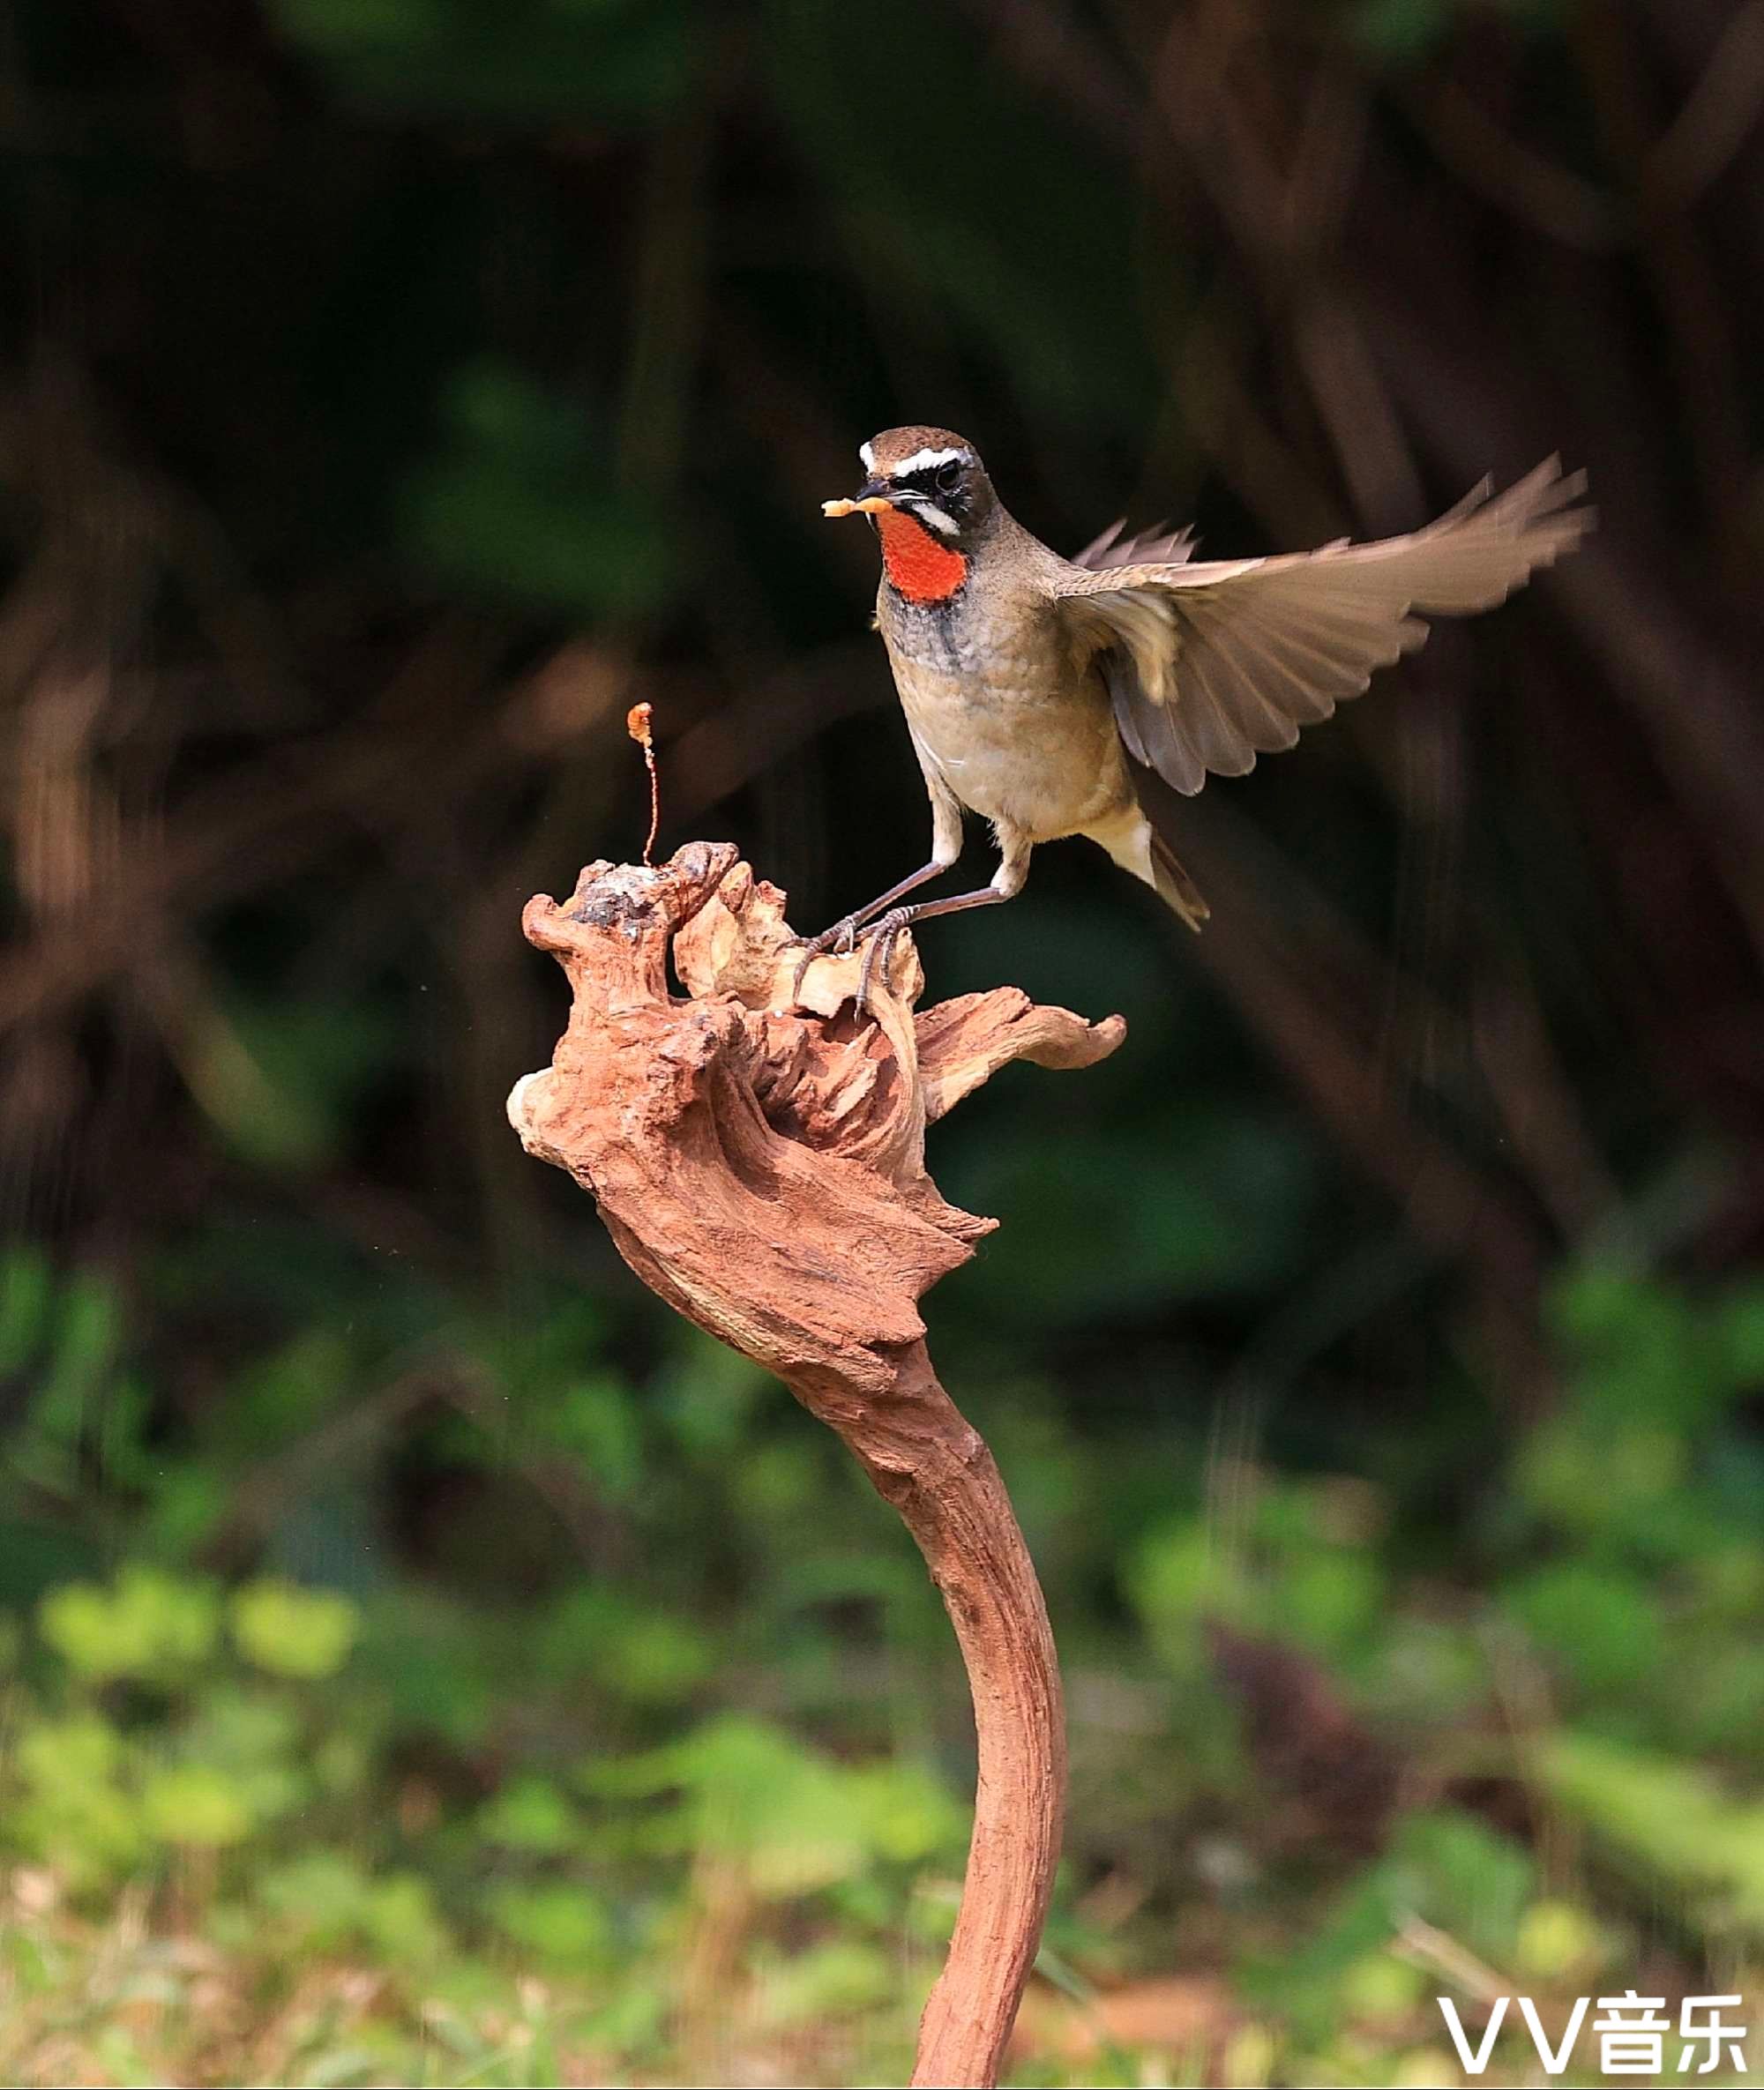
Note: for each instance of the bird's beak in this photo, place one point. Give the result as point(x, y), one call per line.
point(867, 500)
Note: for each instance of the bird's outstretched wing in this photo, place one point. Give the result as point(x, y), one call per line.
point(1162, 546)
point(1211, 662)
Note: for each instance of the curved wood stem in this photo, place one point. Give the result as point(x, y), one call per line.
point(953, 1501)
point(761, 1165)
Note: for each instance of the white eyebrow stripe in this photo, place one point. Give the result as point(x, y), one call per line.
point(866, 457)
point(923, 460)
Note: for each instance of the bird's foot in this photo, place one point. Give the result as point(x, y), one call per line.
point(840, 940)
point(877, 938)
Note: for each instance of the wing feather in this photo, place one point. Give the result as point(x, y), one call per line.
point(1214, 732)
point(1163, 547)
point(1211, 662)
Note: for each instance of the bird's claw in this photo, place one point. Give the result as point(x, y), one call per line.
point(878, 938)
point(840, 940)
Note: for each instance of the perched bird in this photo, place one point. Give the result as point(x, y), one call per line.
point(1038, 690)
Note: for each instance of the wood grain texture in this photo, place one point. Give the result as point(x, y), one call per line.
point(761, 1165)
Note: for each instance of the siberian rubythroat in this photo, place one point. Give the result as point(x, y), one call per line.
point(1038, 690)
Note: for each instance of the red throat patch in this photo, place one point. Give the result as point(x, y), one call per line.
point(919, 567)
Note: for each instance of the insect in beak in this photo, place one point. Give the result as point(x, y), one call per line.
point(871, 505)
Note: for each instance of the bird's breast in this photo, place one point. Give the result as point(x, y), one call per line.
point(996, 705)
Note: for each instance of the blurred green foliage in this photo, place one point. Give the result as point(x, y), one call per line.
point(618, 60)
point(545, 1810)
point(515, 504)
point(420, 1658)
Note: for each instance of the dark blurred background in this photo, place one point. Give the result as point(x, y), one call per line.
point(425, 1653)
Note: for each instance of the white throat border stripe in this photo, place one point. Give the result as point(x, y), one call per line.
point(928, 511)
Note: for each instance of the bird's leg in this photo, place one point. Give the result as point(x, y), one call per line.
point(1007, 882)
point(842, 935)
point(880, 938)
point(945, 849)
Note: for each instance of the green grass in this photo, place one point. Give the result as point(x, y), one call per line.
point(691, 1806)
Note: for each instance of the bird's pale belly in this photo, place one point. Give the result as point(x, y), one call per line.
point(1039, 755)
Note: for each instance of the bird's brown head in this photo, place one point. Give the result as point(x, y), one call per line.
point(927, 493)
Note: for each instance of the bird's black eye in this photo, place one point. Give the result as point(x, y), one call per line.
point(948, 477)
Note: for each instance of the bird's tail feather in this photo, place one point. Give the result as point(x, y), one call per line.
point(1175, 887)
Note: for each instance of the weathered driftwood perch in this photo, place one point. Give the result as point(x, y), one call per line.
point(760, 1164)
